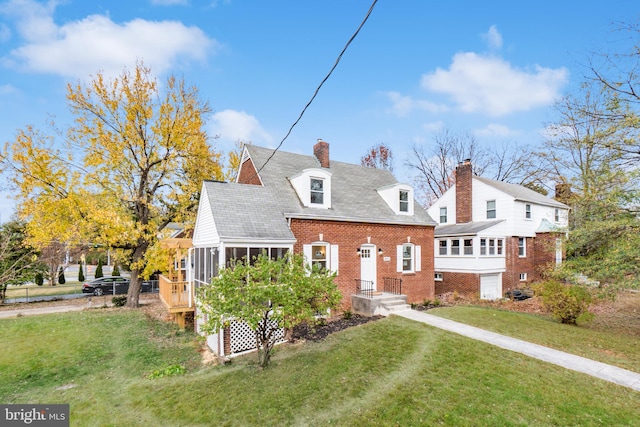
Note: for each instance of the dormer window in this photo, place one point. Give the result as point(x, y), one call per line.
point(313, 187)
point(399, 197)
point(317, 191)
point(404, 201)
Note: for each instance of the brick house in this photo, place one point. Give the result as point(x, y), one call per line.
point(494, 236)
point(358, 222)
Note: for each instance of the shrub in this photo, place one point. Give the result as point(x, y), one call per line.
point(347, 315)
point(99, 273)
point(567, 303)
point(116, 271)
point(39, 279)
point(119, 301)
point(61, 279)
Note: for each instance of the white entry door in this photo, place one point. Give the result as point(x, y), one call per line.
point(368, 267)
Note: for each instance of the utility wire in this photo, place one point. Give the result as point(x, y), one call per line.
point(320, 85)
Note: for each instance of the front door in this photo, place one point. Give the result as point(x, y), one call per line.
point(368, 267)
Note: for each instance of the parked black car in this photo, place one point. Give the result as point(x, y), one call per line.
point(110, 285)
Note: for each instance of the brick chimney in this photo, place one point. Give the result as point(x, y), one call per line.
point(321, 151)
point(464, 180)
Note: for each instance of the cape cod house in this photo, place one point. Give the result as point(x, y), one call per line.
point(358, 222)
point(494, 236)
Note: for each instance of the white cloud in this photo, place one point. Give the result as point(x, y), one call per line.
point(96, 43)
point(403, 105)
point(493, 38)
point(490, 85)
point(495, 130)
point(232, 126)
point(5, 33)
point(8, 89)
point(433, 126)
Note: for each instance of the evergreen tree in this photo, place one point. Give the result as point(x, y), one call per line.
point(99, 273)
point(116, 271)
point(39, 279)
point(61, 279)
point(80, 272)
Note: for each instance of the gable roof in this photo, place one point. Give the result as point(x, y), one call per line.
point(354, 195)
point(521, 193)
point(246, 212)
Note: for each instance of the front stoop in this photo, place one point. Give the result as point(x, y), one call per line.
point(379, 305)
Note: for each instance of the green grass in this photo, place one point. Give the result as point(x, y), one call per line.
point(23, 291)
point(389, 372)
point(608, 345)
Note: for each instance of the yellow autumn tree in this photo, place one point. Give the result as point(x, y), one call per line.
point(132, 162)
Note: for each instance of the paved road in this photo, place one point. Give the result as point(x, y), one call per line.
point(576, 363)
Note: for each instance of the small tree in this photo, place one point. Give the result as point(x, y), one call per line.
point(61, 279)
point(99, 273)
point(567, 303)
point(268, 295)
point(116, 270)
point(80, 272)
point(39, 279)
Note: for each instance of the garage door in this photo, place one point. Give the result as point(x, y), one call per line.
point(490, 286)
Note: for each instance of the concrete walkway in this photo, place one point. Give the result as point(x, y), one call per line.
point(576, 363)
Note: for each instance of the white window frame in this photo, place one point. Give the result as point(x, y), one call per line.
point(331, 255)
point(416, 258)
point(455, 249)
point(522, 247)
point(483, 246)
point(312, 191)
point(523, 277)
point(441, 247)
point(467, 249)
point(403, 205)
point(437, 277)
point(494, 210)
point(527, 211)
point(556, 215)
point(443, 214)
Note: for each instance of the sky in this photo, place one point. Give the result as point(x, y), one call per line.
point(492, 69)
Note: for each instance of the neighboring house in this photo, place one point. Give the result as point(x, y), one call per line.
point(494, 236)
point(358, 222)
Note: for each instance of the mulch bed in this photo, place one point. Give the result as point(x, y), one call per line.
point(320, 331)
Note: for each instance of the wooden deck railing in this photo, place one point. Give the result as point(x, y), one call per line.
point(174, 294)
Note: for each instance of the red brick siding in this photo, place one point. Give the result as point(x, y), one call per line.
point(248, 173)
point(463, 283)
point(349, 236)
point(321, 152)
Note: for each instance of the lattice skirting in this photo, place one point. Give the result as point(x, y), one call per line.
point(243, 338)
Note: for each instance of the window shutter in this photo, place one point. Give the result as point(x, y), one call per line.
point(334, 259)
point(306, 251)
point(418, 260)
point(399, 260)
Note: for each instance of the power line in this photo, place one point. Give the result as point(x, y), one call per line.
point(320, 85)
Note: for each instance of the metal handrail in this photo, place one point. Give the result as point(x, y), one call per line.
point(364, 287)
point(392, 285)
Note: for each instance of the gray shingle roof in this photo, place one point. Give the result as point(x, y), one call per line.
point(242, 211)
point(521, 193)
point(353, 195)
point(467, 229)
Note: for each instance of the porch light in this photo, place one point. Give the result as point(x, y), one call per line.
point(380, 251)
point(358, 251)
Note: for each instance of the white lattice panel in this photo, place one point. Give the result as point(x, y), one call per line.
point(243, 338)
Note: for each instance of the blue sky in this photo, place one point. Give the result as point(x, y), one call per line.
point(491, 68)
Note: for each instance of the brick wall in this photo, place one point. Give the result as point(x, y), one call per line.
point(349, 236)
point(463, 283)
point(248, 173)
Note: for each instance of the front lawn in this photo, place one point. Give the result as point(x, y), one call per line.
point(388, 372)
